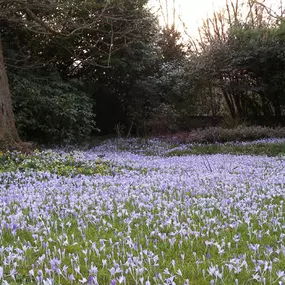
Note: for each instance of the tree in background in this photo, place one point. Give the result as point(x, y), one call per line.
point(150, 110)
point(8, 131)
point(113, 89)
point(235, 69)
point(65, 37)
point(244, 53)
point(112, 59)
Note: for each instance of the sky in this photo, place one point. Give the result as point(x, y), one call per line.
point(193, 11)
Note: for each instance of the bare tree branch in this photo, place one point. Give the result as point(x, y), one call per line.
point(40, 22)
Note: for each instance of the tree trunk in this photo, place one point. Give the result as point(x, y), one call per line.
point(9, 137)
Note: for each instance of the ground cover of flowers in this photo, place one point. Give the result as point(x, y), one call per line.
point(112, 216)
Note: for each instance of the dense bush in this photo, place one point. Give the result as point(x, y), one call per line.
point(163, 119)
point(48, 109)
point(218, 134)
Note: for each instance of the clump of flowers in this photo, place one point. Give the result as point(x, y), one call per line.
point(142, 220)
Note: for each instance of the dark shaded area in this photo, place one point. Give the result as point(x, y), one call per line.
point(268, 121)
point(109, 112)
point(115, 69)
point(201, 122)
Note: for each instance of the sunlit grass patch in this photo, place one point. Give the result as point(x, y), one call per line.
point(272, 149)
point(52, 162)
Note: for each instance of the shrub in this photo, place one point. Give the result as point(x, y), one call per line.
point(218, 134)
point(163, 119)
point(47, 109)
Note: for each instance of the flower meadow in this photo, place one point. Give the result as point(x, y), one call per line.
point(113, 215)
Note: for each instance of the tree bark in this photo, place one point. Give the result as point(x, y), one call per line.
point(9, 137)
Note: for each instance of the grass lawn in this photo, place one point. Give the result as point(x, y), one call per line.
point(144, 213)
point(272, 149)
